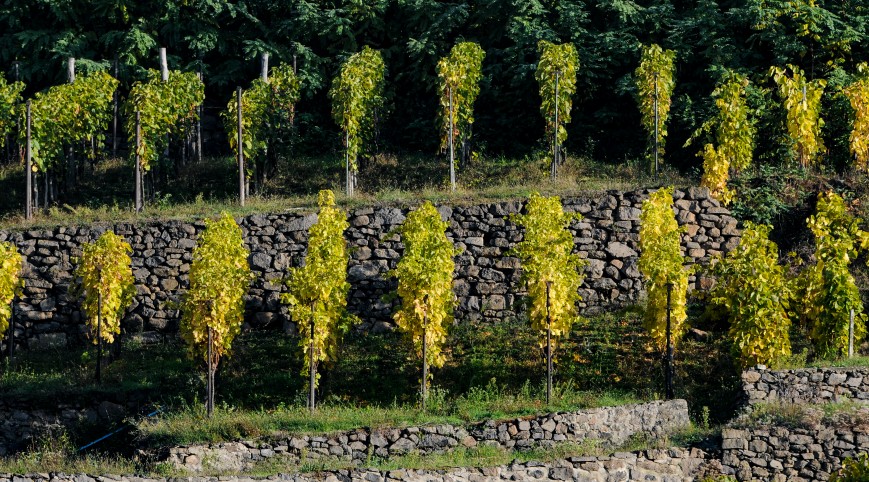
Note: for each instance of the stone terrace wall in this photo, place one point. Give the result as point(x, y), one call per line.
point(673, 465)
point(612, 426)
point(805, 385)
point(794, 454)
point(487, 279)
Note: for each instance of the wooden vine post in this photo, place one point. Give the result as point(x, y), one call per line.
point(242, 181)
point(655, 83)
point(115, 112)
point(28, 168)
point(139, 202)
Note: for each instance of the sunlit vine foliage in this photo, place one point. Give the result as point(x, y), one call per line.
point(563, 59)
point(425, 282)
point(754, 289)
point(11, 263)
point(802, 101)
point(661, 263)
point(219, 278)
point(317, 292)
point(830, 291)
point(105, 268)
point(357, 97)
point(656, 70)
point(10, 98)
point(858, 96)
point(67, 113)
point(460, 71)
point(266, 107)
point(165, 108)
point(734, 137)
point(546, 256)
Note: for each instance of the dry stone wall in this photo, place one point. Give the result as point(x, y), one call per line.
point(805, 385)
point(610, 426)
point(487, 278)
point(673, 465)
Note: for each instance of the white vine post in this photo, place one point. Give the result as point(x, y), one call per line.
point(554, 170)
point(138, 175)
point(28, 175)
point(264, 66)
point(452, 141)
point(164, 74)
point(656, 125)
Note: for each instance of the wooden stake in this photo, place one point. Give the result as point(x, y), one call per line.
point(241, 176)
point(548, 346)
point(139, 204)
point(851, 335)
point(28, 175)
point(452, 141)
point(115, 115)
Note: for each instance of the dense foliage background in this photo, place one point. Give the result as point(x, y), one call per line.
point(224, 38)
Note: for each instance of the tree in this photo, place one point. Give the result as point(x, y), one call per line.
point(357, 98)
point(802, 101)
point(105, 278)
point(661, 263)
point(425, 286)
point(734, 135)
point(556, 76)
point(213, 307)
point(829, 291)
point(753, 288)
point(10, 282)
point(655, 83)
point(551, 272)
point(318, 291)
point(459, 76)
point(858, 96)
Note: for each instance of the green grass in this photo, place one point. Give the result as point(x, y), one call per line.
point(206, 189)
point(190, 425)
point(848, 413)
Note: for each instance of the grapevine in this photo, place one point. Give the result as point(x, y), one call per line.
point(10, 282)
point(802, 100)
point(734, 134)
point(829, 290)
point(753, 287)
point(425, 284)
point(10, 97)
point(559, 61)
point(164, 107)
point(357, 96)
point(104, 269)
point(317, 292)
point(459, 74)
point(655, 84)
point(661, 263)
point(858, 96)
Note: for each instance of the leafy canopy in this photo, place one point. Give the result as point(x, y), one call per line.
point(10, 282)
point(858, 96)
point(830, 291)
point(654, 80)
point(661, 263)
point(219, 278)
point(460, 72)
point(317, 295)
point(546, 255)
point(802, 101)
point(357, 96)
point(104, 268)
point(754, 289)
point(425, 282)
point(563, 60)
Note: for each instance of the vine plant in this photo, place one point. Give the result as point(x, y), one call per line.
point(858, 96)
point(459, 75)
point(105, 278)
point(556, 76)
point(10, 282)
point(802, 101)
point(655, 83)
point(661, 263)
point(425, 285)
point(550, 270)
point(317, 295)
point(165, 108)
point(829, 290)
point(213, 307)
point(10, 98)
point(734, 135)
point(754, 289)
point(357, 98)
point(267, 108)
point(66, 114)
